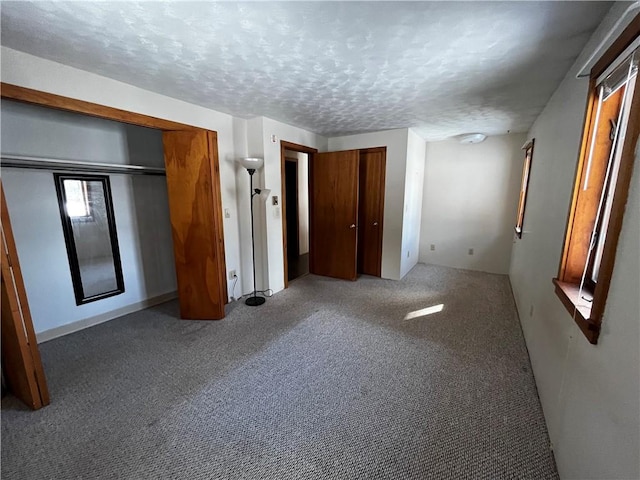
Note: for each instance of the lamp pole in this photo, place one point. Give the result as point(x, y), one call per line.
point(253, 301)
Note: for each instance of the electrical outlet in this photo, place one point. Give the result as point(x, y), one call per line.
point(471, 251)
point(433, 247)
point(274, 200)
point(232, 274)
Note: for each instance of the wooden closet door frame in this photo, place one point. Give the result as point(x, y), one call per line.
point(294, 147)
point(24, 345)
point(45, 99)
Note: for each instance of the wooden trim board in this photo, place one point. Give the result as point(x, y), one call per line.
point(27, 95)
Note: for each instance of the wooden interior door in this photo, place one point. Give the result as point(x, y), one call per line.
point(371, 212)
point(333, 198)
point(21, 363)
point(195, 208)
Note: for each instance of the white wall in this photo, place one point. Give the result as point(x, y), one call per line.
point(273, 180)
point(303, 203)
point(470, 201)
point(414, 184)
point(394, 191)
point(590, 394)
point(140, 207)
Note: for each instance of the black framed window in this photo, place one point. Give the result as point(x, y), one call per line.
point(88, 222)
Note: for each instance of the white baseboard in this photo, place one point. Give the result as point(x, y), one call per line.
point(103, 317)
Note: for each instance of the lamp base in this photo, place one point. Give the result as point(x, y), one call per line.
point(254, 301)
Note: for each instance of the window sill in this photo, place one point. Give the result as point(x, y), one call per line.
point(579, 306)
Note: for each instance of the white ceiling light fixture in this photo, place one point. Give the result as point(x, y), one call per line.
point(471, 138)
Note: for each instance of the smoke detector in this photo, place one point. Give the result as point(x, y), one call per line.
point(470, 138)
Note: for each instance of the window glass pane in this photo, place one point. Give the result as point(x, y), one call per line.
point(76, 200)
point(606, 202)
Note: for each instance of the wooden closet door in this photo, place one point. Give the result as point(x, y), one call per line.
point(334, 214)
point(21, 362)
point(195, 209)
point(371, 213)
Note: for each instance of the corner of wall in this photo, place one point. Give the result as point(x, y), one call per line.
point(412, 207)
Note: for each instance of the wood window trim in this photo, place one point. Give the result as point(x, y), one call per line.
point(569, 295)
point(625, 39)
point(589, 320)
point(524, 186)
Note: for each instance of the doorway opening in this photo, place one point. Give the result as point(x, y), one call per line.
point(295, 205)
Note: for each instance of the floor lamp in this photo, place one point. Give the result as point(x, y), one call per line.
point(252, 164)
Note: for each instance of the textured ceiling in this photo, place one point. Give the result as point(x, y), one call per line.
point(444, 68)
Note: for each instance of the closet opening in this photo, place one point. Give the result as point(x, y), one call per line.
point(188, 158)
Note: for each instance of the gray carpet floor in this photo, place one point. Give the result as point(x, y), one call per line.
point(327, 380)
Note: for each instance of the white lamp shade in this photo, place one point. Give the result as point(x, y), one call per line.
point(264, 194)
point(253, 163)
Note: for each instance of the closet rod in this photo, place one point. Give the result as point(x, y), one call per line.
point(18, 161)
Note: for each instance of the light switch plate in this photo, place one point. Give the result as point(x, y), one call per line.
point(275, 200)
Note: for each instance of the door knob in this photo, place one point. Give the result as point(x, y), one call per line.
point(353, 225)
point(375, 224)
